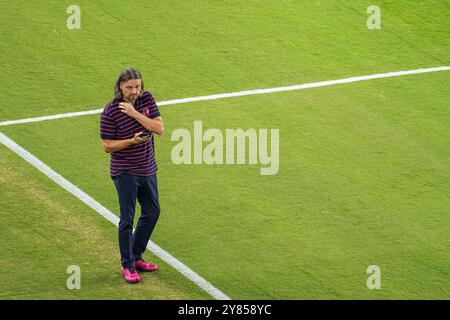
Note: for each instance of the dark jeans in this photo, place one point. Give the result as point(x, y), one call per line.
point(145, 190)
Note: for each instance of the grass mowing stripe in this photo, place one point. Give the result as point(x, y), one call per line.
point(244, 93)
point(183, 269)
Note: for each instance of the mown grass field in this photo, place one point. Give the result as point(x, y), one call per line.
point(364, 167)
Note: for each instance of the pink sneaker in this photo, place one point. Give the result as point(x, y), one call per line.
point(130, 275)
point(141, 265)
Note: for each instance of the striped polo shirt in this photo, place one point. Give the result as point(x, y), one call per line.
point(137, 159)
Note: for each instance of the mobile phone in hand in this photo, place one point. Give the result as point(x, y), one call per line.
point(145, 133)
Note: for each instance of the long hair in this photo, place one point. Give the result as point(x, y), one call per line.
point(125, 75)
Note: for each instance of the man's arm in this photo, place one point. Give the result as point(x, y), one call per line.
point(117, 145)
point(155, 125)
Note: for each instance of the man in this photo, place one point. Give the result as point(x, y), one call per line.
point(126, 129)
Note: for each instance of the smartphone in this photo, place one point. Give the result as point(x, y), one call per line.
point(145, 133)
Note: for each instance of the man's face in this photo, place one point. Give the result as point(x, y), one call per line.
point(131, 89)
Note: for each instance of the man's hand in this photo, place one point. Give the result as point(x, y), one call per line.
point(155, 125)
point(128, 109)
point(138, 139)
point(117, 145)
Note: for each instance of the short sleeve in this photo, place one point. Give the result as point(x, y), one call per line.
point(107, 127)
point(153, 110)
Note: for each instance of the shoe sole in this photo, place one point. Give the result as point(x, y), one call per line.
point(132, 281)
point(143, 270)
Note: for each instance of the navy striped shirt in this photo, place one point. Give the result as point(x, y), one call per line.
point(137, 159)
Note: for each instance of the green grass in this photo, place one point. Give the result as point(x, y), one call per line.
point(44, 230)
point(361, 182)
point(364, 167)
point(190, 48)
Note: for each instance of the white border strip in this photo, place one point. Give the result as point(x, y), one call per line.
point(53, 117)
point(163, 255)
point(243, 93)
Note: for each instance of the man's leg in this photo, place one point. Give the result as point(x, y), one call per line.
point(147, 196)
point(127, 191)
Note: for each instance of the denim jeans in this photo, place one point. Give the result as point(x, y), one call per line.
point(145, 190)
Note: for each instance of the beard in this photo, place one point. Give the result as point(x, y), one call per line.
point(132, 97)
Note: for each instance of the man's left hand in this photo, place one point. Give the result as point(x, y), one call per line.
point(128, 109)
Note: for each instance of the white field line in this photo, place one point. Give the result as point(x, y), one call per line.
point(243, 93)
point(162, 254)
